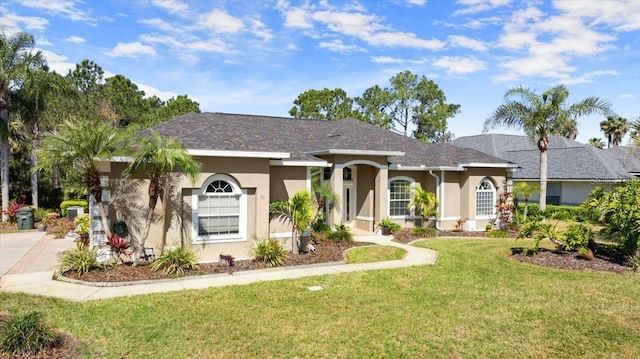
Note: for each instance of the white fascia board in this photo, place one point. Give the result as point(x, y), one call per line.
point(356, 152)
point(299, 163)
point(398, 167)
point(592, 181)
point(251, 154)
point(489, 165)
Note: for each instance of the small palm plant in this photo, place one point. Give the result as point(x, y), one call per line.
point(423, 203)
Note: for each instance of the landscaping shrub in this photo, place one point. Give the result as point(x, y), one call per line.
point(497, 234)
point(80, 260)
point(62, 227)
point(73, 203)
point(40, 214)
point(321, 227)
point(577, 236)
point(391, 225)
point(11, 211)
point(269, 251)
point(424, 232)
point(27, 334)
point(340, 235)
point(176, 261)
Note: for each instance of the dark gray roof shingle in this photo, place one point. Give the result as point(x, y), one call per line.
point(567, 159)
point(234, 132)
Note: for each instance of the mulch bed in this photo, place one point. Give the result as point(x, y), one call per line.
point(326, 252)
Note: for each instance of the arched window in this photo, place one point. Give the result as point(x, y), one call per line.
point(485, 198)
point(220, 210)
point(400, 196)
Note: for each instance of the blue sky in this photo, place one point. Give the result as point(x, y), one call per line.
point(255, 57)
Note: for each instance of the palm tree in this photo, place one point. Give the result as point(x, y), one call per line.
point(541, 116)
point(614, 129)
point(422, 202)
point(298, 211)
point(635, 132)
point(570, 129)
point(525, 190)
point(83, 146)
point(596, 142)
point(324, 196)
point(16, 60)
point(37, 89)
point(157, 157)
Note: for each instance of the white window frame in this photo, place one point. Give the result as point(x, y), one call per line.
point(412, 184)
point(492, 192)
point(242, 220)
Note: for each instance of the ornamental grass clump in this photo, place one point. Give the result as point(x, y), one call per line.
point(269, 251)
point(80, 260)
point(176, 261)
point(25, 335)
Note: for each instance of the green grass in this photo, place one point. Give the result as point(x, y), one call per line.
point(473, 303)
point(374, 254)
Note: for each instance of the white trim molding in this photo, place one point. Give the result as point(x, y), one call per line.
point(318, 163)
point(361, 162)
point(253, 154)
point(356, 152)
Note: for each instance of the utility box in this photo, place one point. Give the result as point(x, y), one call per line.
point(73, 212)
point(24, 216)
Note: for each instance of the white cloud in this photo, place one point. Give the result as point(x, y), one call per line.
point(622, 15)
point(58, 63)
point(395, 60)
point(132, 49)
point(460, 65)
point(259, 29)
point(466, 42)
point(221, 22)
point(13, 23)
point(626, 95)
point(417, 2)
point(404, 39)
point(65, 8)
point(297, 17)
point(475, 6)
point(338, 46)
point(150, 91)
point(159, 24)
point(175, 7)
point(75, 39)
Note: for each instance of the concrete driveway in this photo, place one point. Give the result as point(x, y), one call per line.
point(30, 252)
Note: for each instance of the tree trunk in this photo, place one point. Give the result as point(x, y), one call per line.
point(35, 141)
point(4, 159)
point(543, 146)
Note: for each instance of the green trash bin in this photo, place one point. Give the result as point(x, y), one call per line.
point(24, 216)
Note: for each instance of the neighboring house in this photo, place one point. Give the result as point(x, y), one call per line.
point(250, 161)
point(574, 169)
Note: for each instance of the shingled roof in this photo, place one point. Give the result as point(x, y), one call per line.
point(303, 139)
point(567, 159)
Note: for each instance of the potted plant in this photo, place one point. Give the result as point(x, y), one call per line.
point(81, 223)
point(388, 226)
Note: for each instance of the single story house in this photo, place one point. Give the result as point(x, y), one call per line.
point(249, 161)
point(574, 169)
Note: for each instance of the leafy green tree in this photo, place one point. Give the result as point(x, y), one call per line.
point(83, 146)
point(88, 80)
point(325, 104)
point(375, 106)
point(596, 142)
point(621, 209)
point(157, 157)
point(125, 102)
point(614, 129)
point(422, 202)
point(324, 196)
point(635, 132)
point(419, 101)
point(541, 116)
point(17, 58)
point(298, 211)
point(178, 106)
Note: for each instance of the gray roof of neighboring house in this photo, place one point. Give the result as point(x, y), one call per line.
point(303, 138)
point(628, 156)
point(567, 159)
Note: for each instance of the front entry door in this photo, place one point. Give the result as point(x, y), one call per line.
point(348, 204)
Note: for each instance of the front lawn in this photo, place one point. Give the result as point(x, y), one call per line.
point(474, 302)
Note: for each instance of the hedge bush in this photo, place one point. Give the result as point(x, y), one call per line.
point(73, 203)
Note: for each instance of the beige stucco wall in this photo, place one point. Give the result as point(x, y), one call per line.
point(129, 202)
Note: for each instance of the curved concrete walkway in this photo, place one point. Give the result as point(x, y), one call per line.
point(32, 272)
